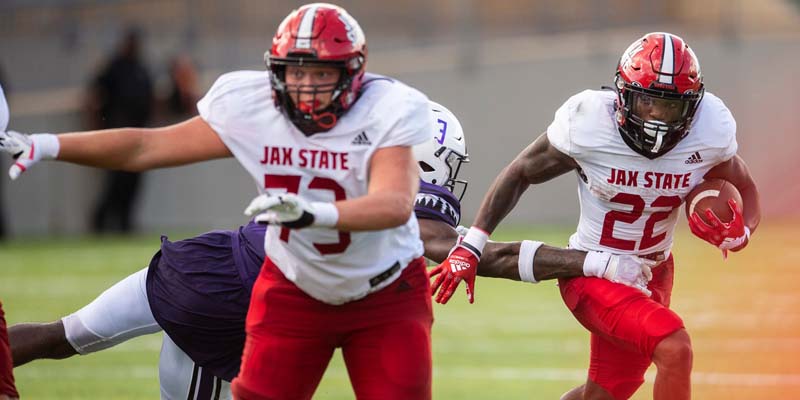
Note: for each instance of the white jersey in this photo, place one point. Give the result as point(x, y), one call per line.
point(332, 266)
point(629, 203)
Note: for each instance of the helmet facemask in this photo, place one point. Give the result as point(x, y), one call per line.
point(307, 118)
point(649, 136)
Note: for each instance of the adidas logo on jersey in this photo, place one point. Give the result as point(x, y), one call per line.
point(361, 139)
point(694, 158)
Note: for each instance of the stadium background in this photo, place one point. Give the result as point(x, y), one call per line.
point(503, 67)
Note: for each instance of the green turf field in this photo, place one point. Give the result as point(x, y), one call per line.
point(516, 342)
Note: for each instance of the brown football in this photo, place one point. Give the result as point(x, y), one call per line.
point(713, 194)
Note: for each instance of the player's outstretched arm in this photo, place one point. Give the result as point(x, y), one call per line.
point(129, 149)
point(734, 235)
point(533, 261)
point(538, 163)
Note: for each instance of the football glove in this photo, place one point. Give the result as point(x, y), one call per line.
point(626, 269)
point(460, 265)
point(732, 235)
point(292, 211)
point(28, 149)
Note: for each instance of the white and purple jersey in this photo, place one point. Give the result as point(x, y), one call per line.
point(437, 203)
point(199, 291)
point(332, 266)
point(629, 203)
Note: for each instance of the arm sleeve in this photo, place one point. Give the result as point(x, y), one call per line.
point(214, 108)
point(729, 128)
point(558, 133)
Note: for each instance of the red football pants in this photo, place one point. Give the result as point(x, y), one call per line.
point(6, 367)
point(385, 339)
point(625, 324)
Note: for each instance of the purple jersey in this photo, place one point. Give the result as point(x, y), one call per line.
point(438, 203)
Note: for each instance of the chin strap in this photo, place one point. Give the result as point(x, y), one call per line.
point(325, 120)
point(658, 130)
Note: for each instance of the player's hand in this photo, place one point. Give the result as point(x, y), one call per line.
point(27, 149)
point(626, 269)
point(292, 211)
point(732, 235)
point(460, 265)
point(439, 268)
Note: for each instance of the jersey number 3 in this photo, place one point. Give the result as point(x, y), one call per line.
point(292, 185)
point(637, 202)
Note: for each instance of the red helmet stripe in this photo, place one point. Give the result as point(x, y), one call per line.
point(667, 69)
point(306, 28)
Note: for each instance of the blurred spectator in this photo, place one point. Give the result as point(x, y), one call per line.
point(184, 91)
point(120, 96)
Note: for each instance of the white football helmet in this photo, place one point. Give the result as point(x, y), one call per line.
point(441, 157)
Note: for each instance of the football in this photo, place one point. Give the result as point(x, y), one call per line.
point(713, 194)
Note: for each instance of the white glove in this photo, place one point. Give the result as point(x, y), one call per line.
point(292, 211)
point(28, 149)
point(626, 269)
point(462, 230)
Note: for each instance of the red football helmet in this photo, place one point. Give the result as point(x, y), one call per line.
point(318, 34)
point(658, 70)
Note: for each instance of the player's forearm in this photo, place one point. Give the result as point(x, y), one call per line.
point(119, 149)
point(501, 260)
point(382, 210)
point(752, 207)
point(438, 238)
point(553, 262)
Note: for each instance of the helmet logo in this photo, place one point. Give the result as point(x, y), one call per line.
point(627, 56)
point(443, 131)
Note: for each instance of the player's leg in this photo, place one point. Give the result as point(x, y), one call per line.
point(7, 388)
point(118, 314)
point(288, 343)
point(673, 357)
point(388, 354)
point(626, 329)
point(180, 378)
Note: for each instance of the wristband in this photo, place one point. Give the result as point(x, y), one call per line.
point(325, 214)
point(596, 263)
point(527, 251)
point(475, 240)
point(46, 144)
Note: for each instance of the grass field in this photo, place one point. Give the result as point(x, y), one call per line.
point(517, 341)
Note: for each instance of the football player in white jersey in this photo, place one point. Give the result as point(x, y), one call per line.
point(330, 149)
point(7, 388)
point(637, 150)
